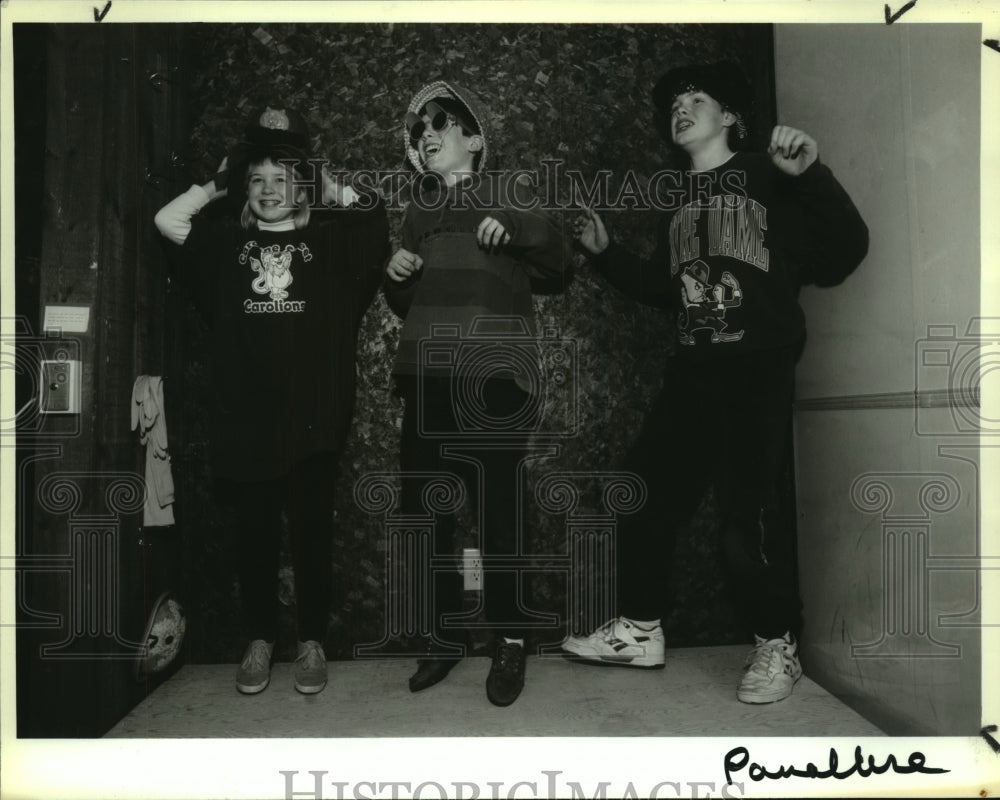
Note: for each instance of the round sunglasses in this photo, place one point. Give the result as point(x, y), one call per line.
point(440, 122)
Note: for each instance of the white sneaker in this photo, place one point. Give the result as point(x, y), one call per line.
point(620, 642)
point(770, 670)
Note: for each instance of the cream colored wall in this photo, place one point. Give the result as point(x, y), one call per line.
point(888, 495)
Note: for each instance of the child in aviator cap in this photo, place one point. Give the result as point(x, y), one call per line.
point(750, 229)
point(283, 287)
point(470, 248)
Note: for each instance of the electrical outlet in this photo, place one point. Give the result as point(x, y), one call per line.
point(472, 569)
point(59, 387)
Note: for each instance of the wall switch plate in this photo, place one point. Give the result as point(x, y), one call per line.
point(472, 569)
point(59, 387)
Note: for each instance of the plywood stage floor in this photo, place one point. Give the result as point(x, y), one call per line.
point(695, 695)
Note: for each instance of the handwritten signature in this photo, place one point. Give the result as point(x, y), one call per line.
point(738, 758)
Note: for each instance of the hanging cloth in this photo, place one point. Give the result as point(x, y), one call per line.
point(148, 418)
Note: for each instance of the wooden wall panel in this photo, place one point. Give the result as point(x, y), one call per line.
point(85, 574)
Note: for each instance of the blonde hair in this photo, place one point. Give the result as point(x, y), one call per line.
point(248, 220)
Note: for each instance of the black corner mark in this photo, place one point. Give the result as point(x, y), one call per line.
point(99, 15)
point(985, 733)
point(891, 18)
point(993, 44)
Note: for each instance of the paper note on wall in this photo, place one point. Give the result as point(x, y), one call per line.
point(66, 319)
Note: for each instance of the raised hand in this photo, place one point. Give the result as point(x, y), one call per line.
point(218, 186)
point(336, 191)
point(591, 233)
point(792, 151)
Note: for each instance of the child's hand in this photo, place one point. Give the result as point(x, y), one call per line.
point(792, 151)
point(591, 233)
point(336, 192)
point(491, 234)
point(403, 264)
point(217, 187)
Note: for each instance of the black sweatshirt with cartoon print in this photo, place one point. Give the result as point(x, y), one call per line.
point(284, 308)
point(739, 244)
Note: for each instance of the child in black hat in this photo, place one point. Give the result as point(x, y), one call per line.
point(750, 229)
point(471, 243)
point(283, 287)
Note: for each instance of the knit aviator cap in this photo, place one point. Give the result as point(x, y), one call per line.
point(473, 117)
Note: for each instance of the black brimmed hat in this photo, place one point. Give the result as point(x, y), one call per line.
point(273, 132)
point(723, 81)
point(277, 126)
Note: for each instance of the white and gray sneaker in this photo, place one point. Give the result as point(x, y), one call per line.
point(770, 671)
point(254, 672)
point(620, 642)
point(310, 667)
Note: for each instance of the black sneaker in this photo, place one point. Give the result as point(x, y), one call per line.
point(506, 678)
point(435, 663)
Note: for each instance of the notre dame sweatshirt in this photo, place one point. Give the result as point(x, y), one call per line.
point(738, 246)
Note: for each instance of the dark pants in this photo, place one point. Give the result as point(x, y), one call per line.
point(726, 423)
point(306, 495)
point(489, 471)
